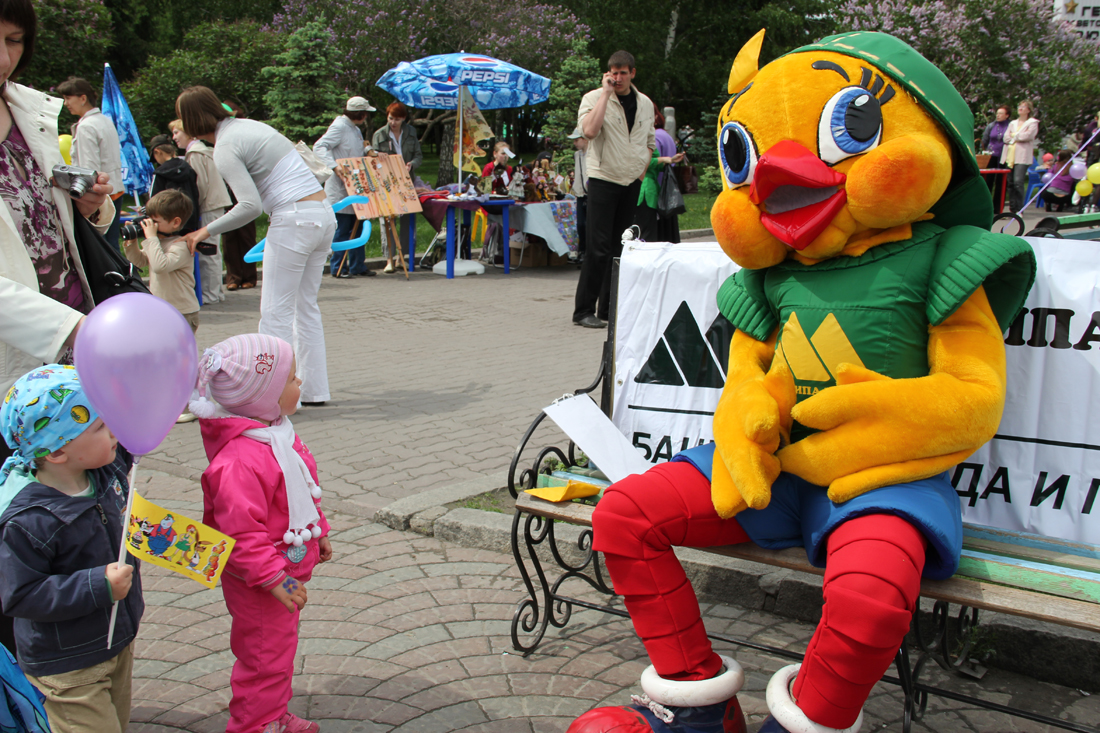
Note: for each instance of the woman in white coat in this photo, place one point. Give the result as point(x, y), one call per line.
point(43, 290)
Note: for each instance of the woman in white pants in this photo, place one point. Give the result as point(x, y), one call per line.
point(266, 173)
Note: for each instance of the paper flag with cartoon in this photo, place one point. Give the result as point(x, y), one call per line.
point(171, 540)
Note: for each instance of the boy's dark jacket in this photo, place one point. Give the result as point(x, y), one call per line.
point(54, 552)
point(177, 174)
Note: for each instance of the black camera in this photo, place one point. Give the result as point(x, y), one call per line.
point(132, 229)
point(77, 180)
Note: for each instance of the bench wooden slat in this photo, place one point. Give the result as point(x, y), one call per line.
point(1043, 579)
point(1047, 557)
point(976, 593)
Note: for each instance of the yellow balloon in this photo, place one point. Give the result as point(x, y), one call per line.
point(1084, 188)
point(1094, 173)
point(65, 142)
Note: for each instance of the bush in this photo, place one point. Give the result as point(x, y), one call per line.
point(227, 57)
point(710, 181)
point(73, 38)
point(302, 92)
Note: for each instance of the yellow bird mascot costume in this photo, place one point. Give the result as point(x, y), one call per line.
point(868, 360)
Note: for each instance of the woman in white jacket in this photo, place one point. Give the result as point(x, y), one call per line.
point(43, 290)
point(1020, 138)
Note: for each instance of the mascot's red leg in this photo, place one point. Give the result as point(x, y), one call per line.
point(872, 581)
point(636, 524)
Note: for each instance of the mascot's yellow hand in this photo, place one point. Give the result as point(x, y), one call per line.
point(878, 431)
point(751, 421)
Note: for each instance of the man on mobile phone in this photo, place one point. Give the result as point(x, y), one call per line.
point(617, 120)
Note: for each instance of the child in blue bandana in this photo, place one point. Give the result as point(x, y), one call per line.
point(62, 496)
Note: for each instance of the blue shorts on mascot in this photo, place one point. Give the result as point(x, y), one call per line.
point(868, 360)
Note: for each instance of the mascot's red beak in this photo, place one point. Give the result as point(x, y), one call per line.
point(798, 194)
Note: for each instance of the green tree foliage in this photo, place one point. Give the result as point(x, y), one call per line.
point(227, 57)
point(577, 75)
point(995, 52)
point(684, 48)
point(302, 93)
point(72, 40)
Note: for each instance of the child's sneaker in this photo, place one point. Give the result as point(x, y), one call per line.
point(273, 727)
point(293, 724)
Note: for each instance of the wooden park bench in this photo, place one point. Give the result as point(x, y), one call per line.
point(1028, 576)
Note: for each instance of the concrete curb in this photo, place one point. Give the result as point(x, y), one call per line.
point(425, 508)
point(1045, 652)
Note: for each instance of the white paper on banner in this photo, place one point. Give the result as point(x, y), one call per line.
point(670, 346)
point(1041, 473)
point(597, 436)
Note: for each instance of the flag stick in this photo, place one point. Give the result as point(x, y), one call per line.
point(122, 544)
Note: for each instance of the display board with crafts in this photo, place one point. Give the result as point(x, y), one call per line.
point(384, 180)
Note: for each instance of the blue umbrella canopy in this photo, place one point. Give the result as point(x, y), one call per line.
point(137, 171)
point(433, 81)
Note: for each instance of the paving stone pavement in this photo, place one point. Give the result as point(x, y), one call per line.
point(433, 384)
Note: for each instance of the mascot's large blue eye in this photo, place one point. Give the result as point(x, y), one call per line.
point(851, 123)
point(737, 153)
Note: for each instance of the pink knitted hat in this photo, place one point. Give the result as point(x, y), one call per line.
point(245, 375)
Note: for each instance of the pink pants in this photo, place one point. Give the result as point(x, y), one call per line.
point(264, 639)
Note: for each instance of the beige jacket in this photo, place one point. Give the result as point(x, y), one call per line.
point(33, 327)
point(171, 270)
point(212, 191)
point(618, 154)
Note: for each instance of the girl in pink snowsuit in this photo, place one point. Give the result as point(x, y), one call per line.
point(261, 489)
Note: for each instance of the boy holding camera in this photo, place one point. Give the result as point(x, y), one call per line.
point(62, 497)
point(171, 266)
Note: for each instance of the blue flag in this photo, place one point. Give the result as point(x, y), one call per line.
point(137, 171)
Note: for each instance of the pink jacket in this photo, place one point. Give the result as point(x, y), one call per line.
point(244, 496)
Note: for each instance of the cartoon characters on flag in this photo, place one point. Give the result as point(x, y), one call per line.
point(177, 542)
point(474, 129)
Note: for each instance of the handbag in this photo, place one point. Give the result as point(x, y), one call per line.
point(670, 202)
point(107, 270)
point(316, 166)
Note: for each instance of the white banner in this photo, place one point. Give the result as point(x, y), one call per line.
point(1041, 474)
point(670, 355)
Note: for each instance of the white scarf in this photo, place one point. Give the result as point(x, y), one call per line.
point(301, 489)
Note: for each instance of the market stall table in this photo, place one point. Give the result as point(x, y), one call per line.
point(438, 209)
point(990, 174)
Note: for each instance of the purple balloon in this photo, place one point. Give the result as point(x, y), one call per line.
point(137, 359)
point(1046, 177)
point(1078, 170)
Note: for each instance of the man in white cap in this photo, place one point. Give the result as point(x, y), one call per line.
point(344, 139)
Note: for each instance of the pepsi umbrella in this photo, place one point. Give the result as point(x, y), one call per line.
point(137, 171)
point(433, 81)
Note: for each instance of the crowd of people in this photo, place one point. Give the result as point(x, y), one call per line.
point(1013, 145)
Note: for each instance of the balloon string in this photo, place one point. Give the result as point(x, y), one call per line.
point(1068, 163)
point(122, 543)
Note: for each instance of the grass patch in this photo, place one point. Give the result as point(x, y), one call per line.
point(498, 501)
point(698, 211)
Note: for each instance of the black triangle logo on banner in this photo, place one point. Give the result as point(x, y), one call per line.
point(719, 336)
point(684, 345)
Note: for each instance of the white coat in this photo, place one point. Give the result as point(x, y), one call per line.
point(34, 327)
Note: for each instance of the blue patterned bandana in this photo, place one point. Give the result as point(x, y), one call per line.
point(42, 412)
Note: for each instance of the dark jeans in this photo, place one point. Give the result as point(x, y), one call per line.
point(351, 261)
point(610, 213)
point(1054, 197)
point(235, 245)
point(1017, 187)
